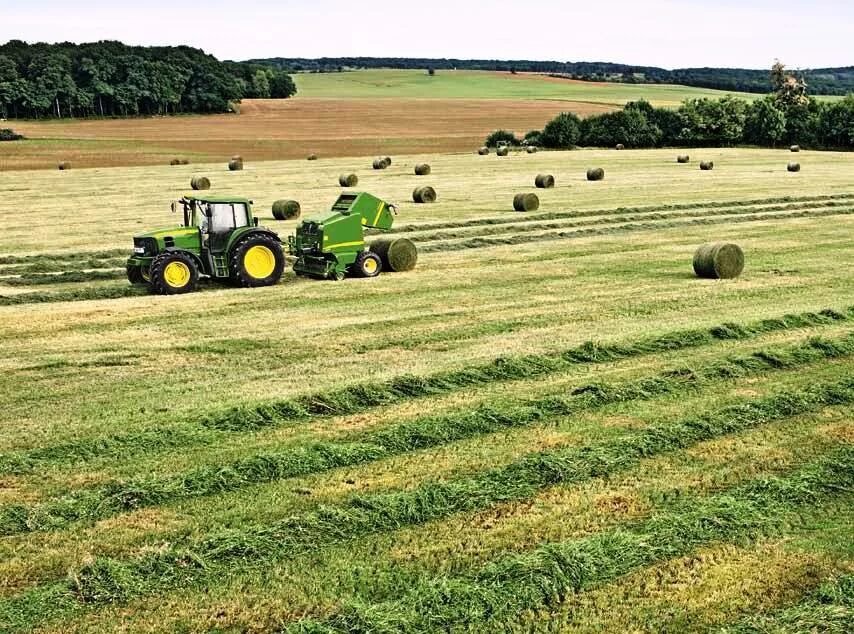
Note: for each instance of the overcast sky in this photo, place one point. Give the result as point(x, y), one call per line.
point(668, 33)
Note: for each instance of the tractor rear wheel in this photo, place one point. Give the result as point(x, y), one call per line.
point(367, 264)
point(173, 272)
point(257, 261)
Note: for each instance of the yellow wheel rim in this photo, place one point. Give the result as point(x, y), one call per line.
point(259, 262)
point(176, 274)
point(370, 266)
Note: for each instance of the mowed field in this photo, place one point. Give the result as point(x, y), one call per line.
point(356, 113)
point(549, 425)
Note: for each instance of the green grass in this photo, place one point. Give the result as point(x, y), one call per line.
point(377, 84)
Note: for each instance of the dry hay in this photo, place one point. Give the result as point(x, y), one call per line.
point(503, 151)
point(200, 182)
point(795, 148)
point(348, 180)
point(595, 174)
point(707, 166)
point(286, 209)
point(544, 181)
point(683, 158)
point(64, 165)
point(422, 169)
point(424, 194)
point(620, 146)
point(483, 151)
point(794, 167)
point(718, 260)
point(526, 202)
point(396, 254)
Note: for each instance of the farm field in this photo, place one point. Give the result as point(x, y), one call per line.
point(358, 113)
point(549, 425)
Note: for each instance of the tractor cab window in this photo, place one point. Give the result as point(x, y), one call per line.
point(224, 217)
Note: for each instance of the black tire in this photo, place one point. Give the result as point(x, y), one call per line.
point(242, 272)
point(367, 264)
point(134, 272)
point(162, 273)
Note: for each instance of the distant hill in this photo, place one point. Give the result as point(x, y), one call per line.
point(821, 81)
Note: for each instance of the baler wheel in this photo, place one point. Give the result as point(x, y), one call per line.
point(368, 264)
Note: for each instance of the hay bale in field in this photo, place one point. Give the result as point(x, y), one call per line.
point(175, 162)
point(595, 174)
point(396, 254)
point(380, 164)
point(424, 195)
point(795, 148)
point(619, 146)
point(707, 166)
point(794, 167)
point(200, 182)
point(348, 180)
point(286, 209)
point(422, 169)
point(64, 165)
point(544, 181)
point(718, 260)
point(503, 151)
point(311, 157)
point(683, 158)
point(185, 162)
point(235, 165)
point(483, 151)
point(387, 160)
point(526, 202)
point(531, 149)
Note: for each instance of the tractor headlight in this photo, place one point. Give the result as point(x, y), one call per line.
point(139, 250)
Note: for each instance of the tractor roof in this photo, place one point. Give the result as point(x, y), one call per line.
point(217, 199)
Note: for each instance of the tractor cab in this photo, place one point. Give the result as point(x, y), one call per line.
point(218, 238)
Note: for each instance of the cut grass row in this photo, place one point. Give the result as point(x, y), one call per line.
point(201, 560)
point(360, 397)
point(510, 239)
point(398, 438)
point(547, 576)
point(65, 277)
point(782, 202)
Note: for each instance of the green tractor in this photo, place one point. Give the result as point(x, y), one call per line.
point(219, 238)
point(332, 245)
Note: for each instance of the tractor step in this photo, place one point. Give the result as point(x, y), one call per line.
point(220, 266)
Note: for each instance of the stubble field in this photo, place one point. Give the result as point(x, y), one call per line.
point(549, 425)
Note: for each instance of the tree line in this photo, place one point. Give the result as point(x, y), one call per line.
point(113, 79)
point(822, 81)
point(787, 116)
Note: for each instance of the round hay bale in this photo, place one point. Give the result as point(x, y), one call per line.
point(595, 174)
point(795, 148)
point(311, 157)
point(422, 169)
point(794, 167)
point(619, 146)
point(348, 180)
point(707, 166)
point(64, 165)
point(531, 149)
point(526, 202)
point(286, 209)
point(396, 254)
point(544, 181)
point(380, 164)
point(387, 160)
point(424, 195)
point(683, 158)
point(718, 260)
point(503, 151)
point(483, 151)
point(200, 182)
point(235, 165)
point(175, 162)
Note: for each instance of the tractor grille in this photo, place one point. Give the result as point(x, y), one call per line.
point(148, 246)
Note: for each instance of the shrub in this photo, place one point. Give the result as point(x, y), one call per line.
point(563, 131)
point(500, 136)
point(534, 137)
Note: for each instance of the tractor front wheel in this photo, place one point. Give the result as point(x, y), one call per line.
point(134, 272)
point(257, 261)
point(367, 264)
point(173, 272)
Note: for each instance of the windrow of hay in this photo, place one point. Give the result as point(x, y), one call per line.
point(707, 166)
point(718, 260)
point(683, 158)
point(348, 180)
point(286, 209)
point(425, 194)
point(397, 254)
point(526, 202)
point(422, 169)
point(544, 181)
point(595, 174)
point(404, 436)
point(200, 182)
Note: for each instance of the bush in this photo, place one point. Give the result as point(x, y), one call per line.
point(501, 136)
point(7, 134)
point(562, 132)
point(629, 127)
point(534, 137)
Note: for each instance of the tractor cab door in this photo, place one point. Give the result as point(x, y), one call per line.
point(223, 219)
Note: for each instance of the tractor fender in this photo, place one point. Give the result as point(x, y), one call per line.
point(195, 257)
point(254, 232)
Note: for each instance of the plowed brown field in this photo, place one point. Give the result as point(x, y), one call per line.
point(276, 129)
